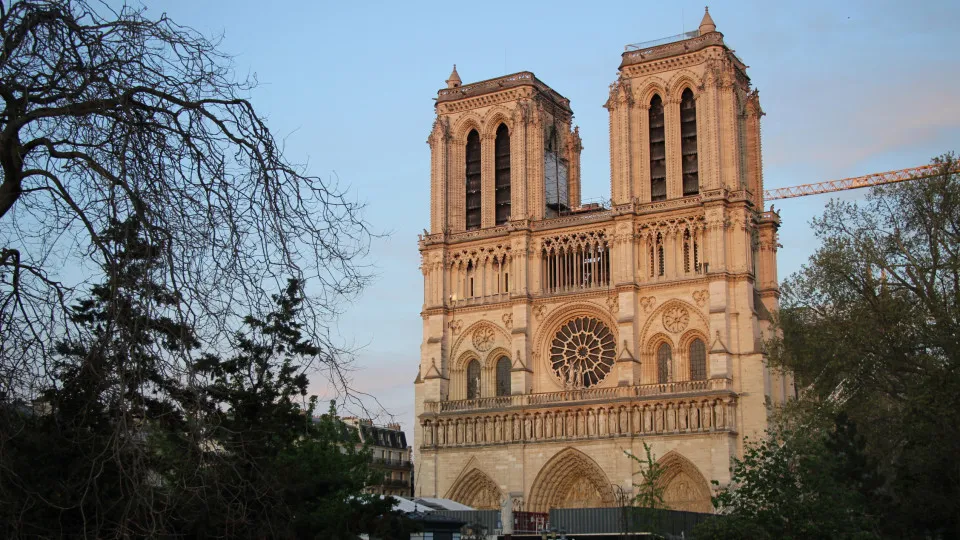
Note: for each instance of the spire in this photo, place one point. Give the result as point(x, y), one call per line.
point(454, 80)
point(706, 24)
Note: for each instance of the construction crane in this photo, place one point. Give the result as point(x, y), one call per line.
point(875, 179)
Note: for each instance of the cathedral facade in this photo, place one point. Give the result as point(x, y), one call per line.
point(558, 337)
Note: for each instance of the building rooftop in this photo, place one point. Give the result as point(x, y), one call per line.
point(704, 36)
point(390, 435)
point(457, 91)
point(661, 41)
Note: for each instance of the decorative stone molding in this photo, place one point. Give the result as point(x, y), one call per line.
point(483, 338)
point(676, 415)
point(568, 397)
point(676, 319)
point(508, 320)
point(540, 312)
point(672, 49)
point(701, 297)
point(613, 303)
point(432, 371)
point(455, 326)
point(695, 319)
point(625, 355)
point(718, 345)
point(647, 303)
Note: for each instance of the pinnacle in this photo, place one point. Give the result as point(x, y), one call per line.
point(706, 24)
point(454, 80)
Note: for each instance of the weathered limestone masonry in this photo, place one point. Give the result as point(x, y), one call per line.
point(557, 336)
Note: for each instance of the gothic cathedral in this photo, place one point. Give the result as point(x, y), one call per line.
point(557, 336)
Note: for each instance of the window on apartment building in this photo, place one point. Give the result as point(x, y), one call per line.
point(473, 181)
point(502, 174)
point(698, 360)
point(658, 150)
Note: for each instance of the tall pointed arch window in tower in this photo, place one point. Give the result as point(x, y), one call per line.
point(503, 376)
point(473, 380)
point(502, 174)
point(658, 151)
point(555, 175)
point(664, 355)
point(688, 143)
point(473, 181)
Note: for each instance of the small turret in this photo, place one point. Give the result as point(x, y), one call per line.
point(706, 24)
point(454, 80)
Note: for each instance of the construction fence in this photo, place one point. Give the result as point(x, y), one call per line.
point(617, 520)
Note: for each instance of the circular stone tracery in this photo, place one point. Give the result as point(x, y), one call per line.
point(582, 352)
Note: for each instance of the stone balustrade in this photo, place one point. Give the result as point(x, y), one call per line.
point(586, 394)
point(546, 417)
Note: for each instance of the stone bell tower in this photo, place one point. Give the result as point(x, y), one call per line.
point(684, 120)
point(502, 150)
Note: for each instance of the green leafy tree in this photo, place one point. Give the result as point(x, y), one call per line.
point(797, 483)
point(645, 513)
point(871, 328)
point(650, 488)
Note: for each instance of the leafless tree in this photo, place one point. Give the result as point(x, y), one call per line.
point(111, 117)
point(107, 114)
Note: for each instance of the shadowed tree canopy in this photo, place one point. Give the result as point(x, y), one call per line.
point(109, 115)
point(871, 328)
point(120, 446)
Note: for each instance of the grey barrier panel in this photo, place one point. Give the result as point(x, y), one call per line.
point(487, 518)
point(621, 520)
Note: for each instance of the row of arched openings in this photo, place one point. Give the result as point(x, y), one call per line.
point(501, 180)
point(688, 146)
point(502, 375)
point(697, 356)
point(691, 256)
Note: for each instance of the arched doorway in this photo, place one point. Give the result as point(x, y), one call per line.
point(684, 487)
point(477, 490)
point(571, 479)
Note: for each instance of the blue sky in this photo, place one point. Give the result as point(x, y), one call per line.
point(848, 87)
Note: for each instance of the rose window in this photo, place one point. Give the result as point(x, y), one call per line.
point(582, 352)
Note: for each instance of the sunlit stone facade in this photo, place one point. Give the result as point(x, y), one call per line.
point(558, 336)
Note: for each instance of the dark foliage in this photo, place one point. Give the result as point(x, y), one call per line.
point(871, 329)
point(118, 446)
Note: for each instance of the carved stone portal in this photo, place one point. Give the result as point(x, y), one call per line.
point(582, 494)
point(477, 490)
point(571, 479)
point(684, 487)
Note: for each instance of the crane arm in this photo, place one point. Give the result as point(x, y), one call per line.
point(875, 179)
